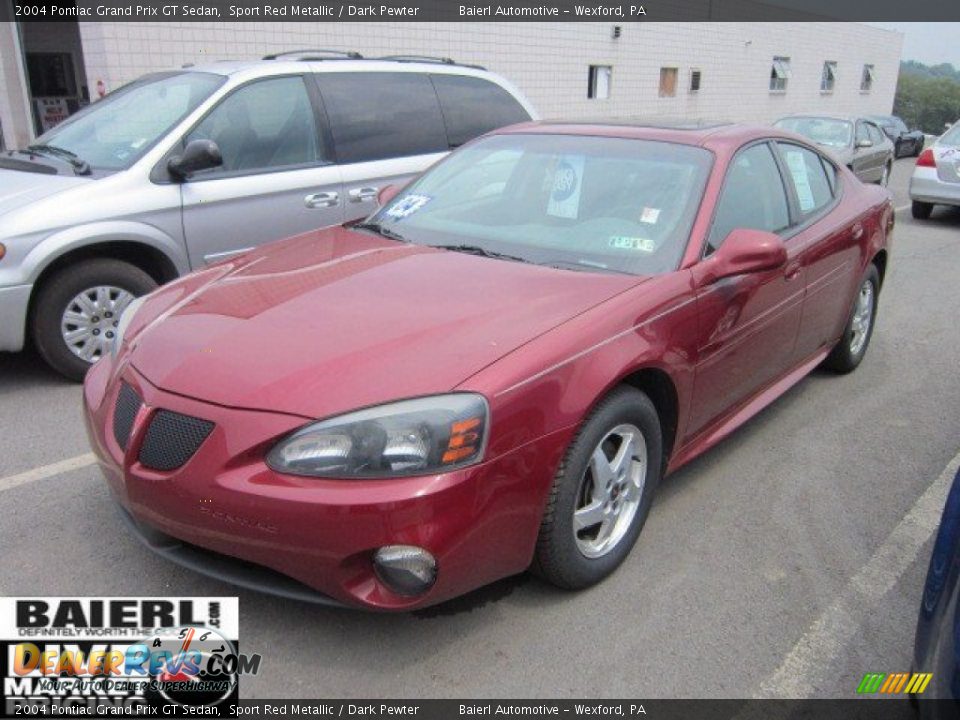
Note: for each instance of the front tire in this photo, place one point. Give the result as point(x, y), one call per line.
point(77, 310)
point(849, 352)
point(602, 492)
point(921, 210)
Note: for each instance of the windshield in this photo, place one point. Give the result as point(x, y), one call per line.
point(113, 133)
point(823, 131)
point(577, 202)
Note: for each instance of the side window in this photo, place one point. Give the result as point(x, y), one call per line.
point(809, 179)
point(862, 132)
point(753, 196)
point(380, 115)
point(473, 106)
point(876, 135)
point(265, 125)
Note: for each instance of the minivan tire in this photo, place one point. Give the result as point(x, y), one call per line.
point(58, 290)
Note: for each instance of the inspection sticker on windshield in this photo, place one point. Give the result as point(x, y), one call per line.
point(626, 242)
point(650, 215)
point(407, 206)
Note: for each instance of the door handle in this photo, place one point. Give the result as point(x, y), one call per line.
point(322, 199)
point(364, 194)
point(793, 271)
point(857, 231)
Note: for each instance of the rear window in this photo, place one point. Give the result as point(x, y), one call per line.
point(376, 116)
point(473, 106)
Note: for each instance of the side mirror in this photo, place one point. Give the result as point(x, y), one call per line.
point(388, 193)
point(743, 251)
point(864, 143)
point(197, 155)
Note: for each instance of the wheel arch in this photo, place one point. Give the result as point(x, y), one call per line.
point(880, 260)
point(657, 384)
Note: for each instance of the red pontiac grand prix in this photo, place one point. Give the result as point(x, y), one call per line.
point(495, 370)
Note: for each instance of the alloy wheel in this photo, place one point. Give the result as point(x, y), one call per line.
point(610, 491)
point(862, 318)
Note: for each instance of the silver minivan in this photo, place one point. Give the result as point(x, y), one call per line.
point(181, 169)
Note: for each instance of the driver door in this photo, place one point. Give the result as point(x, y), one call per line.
point(276, 179)
point(747, 323)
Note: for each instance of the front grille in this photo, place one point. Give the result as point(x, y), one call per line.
point(172, 439)
point(124, 413)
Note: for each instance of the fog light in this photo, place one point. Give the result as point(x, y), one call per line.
point(405, 569)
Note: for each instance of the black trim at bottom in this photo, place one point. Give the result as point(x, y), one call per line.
point(222, 567)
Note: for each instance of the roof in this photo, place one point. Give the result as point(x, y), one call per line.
point(684, 134)
point(282, 65)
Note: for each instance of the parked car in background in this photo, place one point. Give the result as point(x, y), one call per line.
point(936, 177)
point(181, 169)
point(937, 643)
point(906, 142)
point(854, 141)
point(495, 369)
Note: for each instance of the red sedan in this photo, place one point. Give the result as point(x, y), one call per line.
point(495, 370)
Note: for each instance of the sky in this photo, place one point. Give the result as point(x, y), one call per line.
point(929, 42)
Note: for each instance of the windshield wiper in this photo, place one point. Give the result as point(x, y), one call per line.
point(483, 252)
point(79, 165)
point(380, 230)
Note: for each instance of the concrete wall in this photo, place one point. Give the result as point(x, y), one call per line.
point(15, 122)
point(549, 61)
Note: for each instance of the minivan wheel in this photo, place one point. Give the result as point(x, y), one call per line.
point(77, 309)
point(848, 353)
point(601, 493)
point(921, 210)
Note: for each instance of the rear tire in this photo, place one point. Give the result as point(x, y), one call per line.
point(61, 290)
point(849, 352)
point(897, 147)
point(590, 481)
point(921, 210)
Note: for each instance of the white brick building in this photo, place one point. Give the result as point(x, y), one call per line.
point(550, 62)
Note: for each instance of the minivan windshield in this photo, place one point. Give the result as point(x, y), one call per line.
point(823, 131)
point(575, 202)
point(115, 132)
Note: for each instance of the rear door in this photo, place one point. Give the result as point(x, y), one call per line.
point(277, 178)
point(386, 127)
point(825, 243)
point(864, 162)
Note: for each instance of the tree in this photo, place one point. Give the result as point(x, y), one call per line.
point(928, 97)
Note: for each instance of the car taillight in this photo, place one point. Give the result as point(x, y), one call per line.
point(926, 159)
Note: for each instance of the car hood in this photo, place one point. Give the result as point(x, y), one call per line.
point(19, 188)
point(337, 319)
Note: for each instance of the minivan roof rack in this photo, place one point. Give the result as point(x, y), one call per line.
point(316, 54)
point(428, 59)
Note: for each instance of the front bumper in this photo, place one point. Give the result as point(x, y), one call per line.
point(926, 186)
point(480, 523)
point(14, 302)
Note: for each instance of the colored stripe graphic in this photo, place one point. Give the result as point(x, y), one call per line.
point(894, 683)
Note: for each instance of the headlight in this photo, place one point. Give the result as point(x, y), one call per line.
point(410, 437)
point(124, 323)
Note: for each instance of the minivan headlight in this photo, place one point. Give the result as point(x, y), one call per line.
point(124, 322)
point(409, 437)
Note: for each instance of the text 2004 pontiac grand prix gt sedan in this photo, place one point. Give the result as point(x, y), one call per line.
point(495, 370)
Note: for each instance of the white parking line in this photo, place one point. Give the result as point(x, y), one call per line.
point(47, 471)
point(831, 634)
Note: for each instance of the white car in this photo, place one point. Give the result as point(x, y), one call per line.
point(936, 178)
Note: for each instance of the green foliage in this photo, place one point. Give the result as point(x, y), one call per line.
point(928, 96)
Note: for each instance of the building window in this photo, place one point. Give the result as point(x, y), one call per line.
point(695, 77)
point(598, 85)
point(779, 74)
point(866, 80)
point(829, 77)
point(668, 81)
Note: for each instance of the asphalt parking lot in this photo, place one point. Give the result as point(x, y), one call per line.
point(788, 561)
